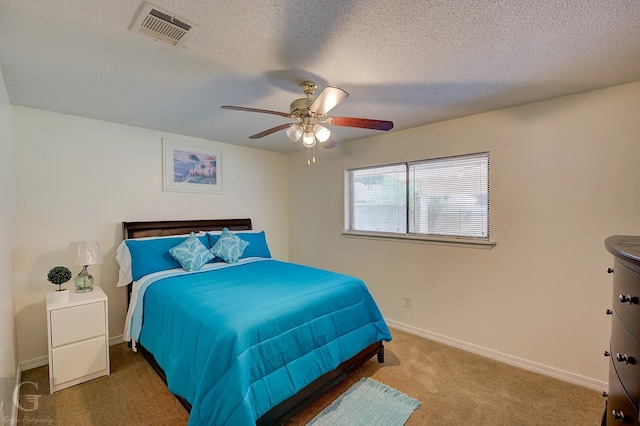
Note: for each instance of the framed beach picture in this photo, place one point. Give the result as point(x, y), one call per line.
point(191, 167)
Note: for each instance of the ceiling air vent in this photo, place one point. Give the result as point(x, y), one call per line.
point(162, 25)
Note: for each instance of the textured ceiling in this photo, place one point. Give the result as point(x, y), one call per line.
point(412, 62)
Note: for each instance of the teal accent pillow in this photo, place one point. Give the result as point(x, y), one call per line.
point(229, 247)
point(152, 255)
point(257, 244)
point(191, 254)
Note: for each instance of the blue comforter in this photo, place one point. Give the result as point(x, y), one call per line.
point(235, 342)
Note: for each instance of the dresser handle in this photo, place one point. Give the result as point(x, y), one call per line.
point(624, 358)
point(607, 353)
point(609, 271)
point(618, 415)
point(609, 312)
point(605, 394)
point(627, 299)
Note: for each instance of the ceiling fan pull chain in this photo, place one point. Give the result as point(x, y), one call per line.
point(314, 153)
point(308, 153)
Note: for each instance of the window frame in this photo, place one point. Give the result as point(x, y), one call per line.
point(473, 241)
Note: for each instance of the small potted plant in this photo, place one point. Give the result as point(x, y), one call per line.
point(59, 275)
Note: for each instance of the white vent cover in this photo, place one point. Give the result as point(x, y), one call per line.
point(161, 25)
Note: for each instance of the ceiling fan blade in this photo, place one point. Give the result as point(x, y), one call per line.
point(328, 99)
point(271, 130)
point(329, 143)
point(364, 123)
point(264, 111)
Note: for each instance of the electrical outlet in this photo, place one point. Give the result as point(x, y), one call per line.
point(407, 302)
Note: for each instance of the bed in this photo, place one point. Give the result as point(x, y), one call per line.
point(268, 335)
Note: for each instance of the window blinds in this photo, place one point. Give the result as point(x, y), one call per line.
point(441, 197)
point(378, 199)
point(450, 196)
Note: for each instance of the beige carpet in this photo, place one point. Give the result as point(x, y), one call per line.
point(454, 386)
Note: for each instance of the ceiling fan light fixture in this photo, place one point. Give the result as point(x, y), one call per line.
point(308, 112)
point(294, 132)
point(322, 133)
point(308, 139)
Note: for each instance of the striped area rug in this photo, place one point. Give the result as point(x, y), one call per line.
point(368, 403)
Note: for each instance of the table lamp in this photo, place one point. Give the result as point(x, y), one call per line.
point(84, 253)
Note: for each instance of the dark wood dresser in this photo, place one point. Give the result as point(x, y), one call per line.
point(624, 369)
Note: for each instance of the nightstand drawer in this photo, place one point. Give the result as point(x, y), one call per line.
point(79, 359)
point(77, 323)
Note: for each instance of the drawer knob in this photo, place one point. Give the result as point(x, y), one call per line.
point(627, 299)
point(605, 394)
point(624, 358)
point(618, 415)
point(607, 353)
point(609, 271)
point(609, 312)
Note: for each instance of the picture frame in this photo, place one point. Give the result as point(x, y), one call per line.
point(191, 167)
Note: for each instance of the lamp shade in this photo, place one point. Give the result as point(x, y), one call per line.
point(85, 253)
point(322, 133)
point(308, 139)
point(294, 132)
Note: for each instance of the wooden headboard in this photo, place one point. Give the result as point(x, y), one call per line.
point(177, 227)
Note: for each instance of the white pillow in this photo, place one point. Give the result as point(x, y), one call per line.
point(123, 257)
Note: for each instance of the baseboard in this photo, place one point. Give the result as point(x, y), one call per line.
point(115, 340)
point(44, 360)
point(502, 357)
point(34, 363)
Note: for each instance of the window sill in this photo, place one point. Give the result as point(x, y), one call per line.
point(480, 244)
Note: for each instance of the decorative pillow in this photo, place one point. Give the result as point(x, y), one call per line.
point(148, 255)
point(257, 243)
point(191, 254)
point(229, 247)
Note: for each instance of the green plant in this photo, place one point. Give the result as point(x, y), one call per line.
point(59, 275)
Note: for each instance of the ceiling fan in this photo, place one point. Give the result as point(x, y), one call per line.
point(310, 115)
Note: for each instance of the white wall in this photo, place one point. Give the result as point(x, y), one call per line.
point(8, 357)
point(79, 179)
point(564, 175)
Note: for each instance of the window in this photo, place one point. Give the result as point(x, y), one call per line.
point(443, 197)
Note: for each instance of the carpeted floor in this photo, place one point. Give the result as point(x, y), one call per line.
point(454, 386)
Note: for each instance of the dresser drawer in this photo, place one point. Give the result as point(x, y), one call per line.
point(626, 296)
point(623, 344)
point(619, 402)
point(77, 323)
point(79, 359)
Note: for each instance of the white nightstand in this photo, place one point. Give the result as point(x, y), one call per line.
point(78, 334)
